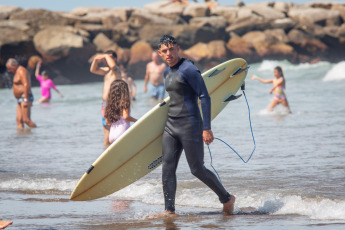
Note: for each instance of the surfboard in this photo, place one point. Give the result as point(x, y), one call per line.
point(139, 150)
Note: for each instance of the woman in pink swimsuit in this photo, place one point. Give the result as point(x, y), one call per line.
point(117, 110)
point(46, 84)
point(278, 88)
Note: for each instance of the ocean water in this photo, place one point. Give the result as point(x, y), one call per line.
point(295, 178)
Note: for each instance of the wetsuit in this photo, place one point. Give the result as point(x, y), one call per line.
point(184, 129)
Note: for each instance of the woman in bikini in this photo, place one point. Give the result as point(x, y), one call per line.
point(278, 88)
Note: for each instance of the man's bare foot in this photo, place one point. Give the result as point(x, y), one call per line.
point(163, 214)
point(228, 207)
point(4, 224)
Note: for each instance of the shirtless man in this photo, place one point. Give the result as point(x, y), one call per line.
point(110, 72)
point(22, 92)
point(155, 73)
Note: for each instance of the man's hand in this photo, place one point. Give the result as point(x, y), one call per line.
point(208, 136)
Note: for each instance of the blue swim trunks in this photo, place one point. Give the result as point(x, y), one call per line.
point(157, 91)
point(30, 98)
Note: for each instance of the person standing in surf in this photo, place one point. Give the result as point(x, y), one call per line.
point(278, 89)
point(117, 112)
point(46, 83)
point(110, 72)
point(185, 129)
point(154, 75)
point(22, 92)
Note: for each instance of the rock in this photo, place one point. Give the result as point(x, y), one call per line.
point(167, 9)
point(315, 16)
point(283, 6)
point(194, 10)
point(141, 53)
point(6, 11)
point(15, 43)
point(339, 8)
point(305, 44)
point(239, 46)
point(56, 42)
point(123, 12)
point(111, 21)
point(84, 10)
point(212, 50)
point(140, 18)
point(22, 25)
point(228, 12)
point(243, 25)
point(93, 29)
point(38, 17)
point(266, 12)
point(266, 45)
point(218, 22)
point(103, 43)
point(285, 23)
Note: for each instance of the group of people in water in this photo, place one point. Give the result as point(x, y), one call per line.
point(184, 130)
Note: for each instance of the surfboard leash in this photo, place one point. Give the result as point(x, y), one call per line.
point(251, 129)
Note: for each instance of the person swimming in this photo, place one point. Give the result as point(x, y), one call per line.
point(278, 88)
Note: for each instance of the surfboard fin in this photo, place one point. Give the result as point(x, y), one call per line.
point(239, 70)
point(232, 98)
point(215, 72)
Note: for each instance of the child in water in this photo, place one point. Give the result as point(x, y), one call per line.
point(278, 88)
point(46, 84)
point(117, 111)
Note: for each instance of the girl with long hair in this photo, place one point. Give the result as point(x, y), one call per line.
point(117, 111)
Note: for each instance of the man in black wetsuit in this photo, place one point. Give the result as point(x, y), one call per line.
point(185, 129)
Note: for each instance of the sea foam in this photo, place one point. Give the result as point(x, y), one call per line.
point(336, 73)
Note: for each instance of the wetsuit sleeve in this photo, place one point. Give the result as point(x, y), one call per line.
point(197, 83)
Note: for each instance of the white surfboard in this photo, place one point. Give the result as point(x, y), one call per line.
point(139, 150)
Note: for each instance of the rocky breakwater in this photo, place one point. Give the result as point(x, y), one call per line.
point(67, 40)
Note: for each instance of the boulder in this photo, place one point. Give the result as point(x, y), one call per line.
point(123, 12)
point(339, 8)
point(111, 21)
point(141, 53)
point(266, 45)
point(317, 16)
point(194, 10)
point(239, 46)
point(93, 29)
point(305, 44)
point(56, 42)
point(6, 11)
point(243, 25)
point(212, 50)
point(15, 43)
point(85, 10)
point(140, 18)
point(39, 17)
point(218, 22)
point(22, 25)
point(283, 6)
point(186, 35)
point(285, 23)
point(266, 12)
point(228, 12)
point(103, 43)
